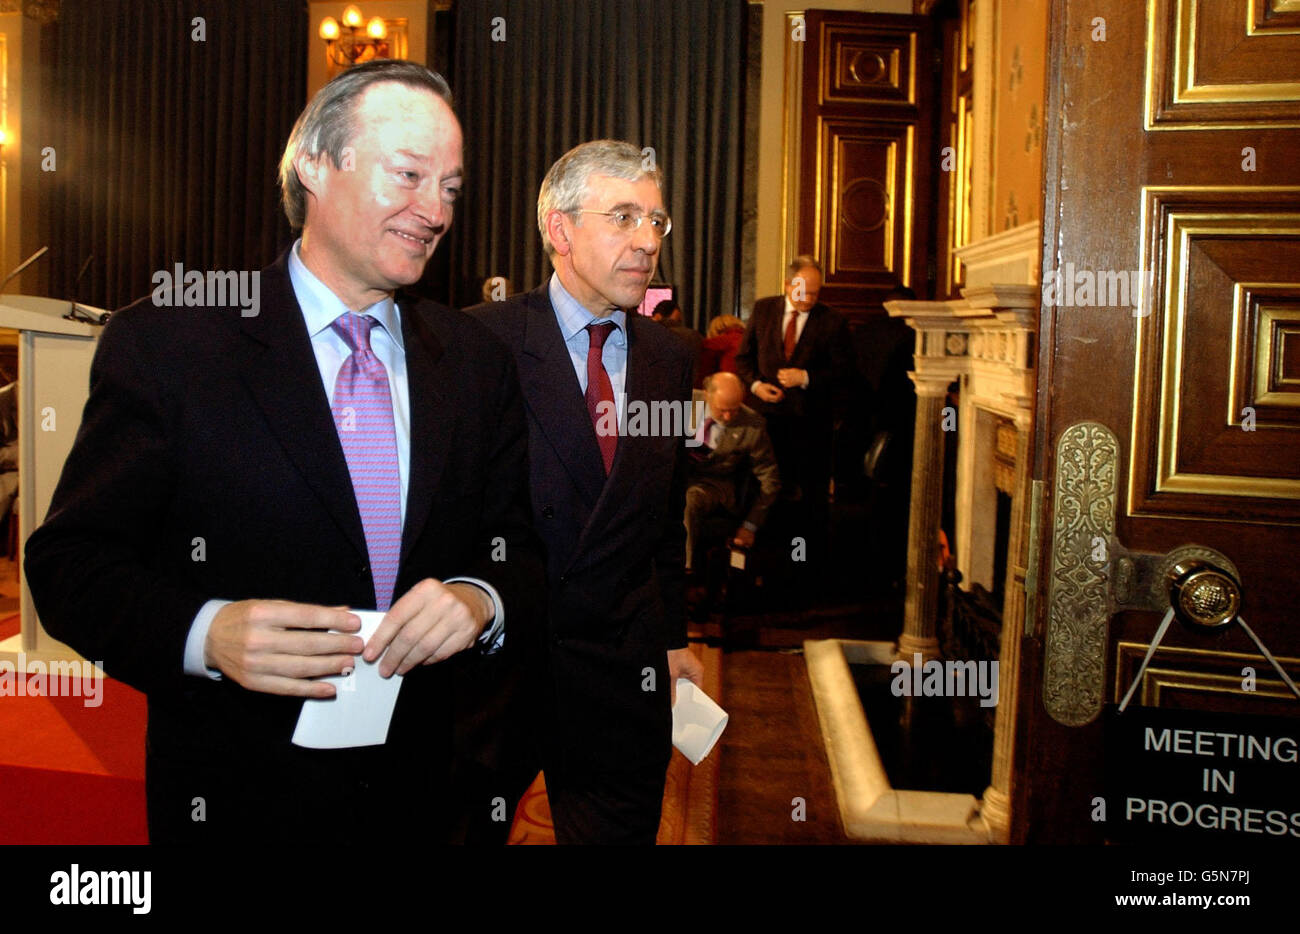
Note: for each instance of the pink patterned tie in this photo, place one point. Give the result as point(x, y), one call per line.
point(363, 415)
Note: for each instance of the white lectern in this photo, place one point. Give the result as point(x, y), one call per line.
point(54, 357)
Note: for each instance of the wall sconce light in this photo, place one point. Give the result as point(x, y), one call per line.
point(348, 43)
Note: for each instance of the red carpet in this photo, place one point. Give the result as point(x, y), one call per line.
point(71, 773)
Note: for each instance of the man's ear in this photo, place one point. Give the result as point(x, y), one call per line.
point(310, 171)
point(559, 236)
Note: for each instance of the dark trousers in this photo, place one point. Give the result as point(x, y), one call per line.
point(298, 797)
point(609, 810)
point(803, 453)
point(705, 497)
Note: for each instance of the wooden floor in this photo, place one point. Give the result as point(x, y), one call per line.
point(775, 785)
point(772, 755)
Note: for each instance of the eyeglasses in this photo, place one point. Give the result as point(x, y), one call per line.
point(660, 224)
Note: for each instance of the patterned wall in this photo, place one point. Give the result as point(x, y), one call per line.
point(1019, 73)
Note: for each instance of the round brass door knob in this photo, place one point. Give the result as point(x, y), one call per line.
point(1204, 595)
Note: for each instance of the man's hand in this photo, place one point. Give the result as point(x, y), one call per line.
point(769, 393)
point(279, 647)
point(431, 622)
point(744, 538)
point(791, 377)
point(682, 663)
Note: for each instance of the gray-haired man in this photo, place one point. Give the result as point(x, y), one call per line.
point(607, 502)
point(239, 483)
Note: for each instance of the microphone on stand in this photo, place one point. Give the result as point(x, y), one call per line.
point(80, 314)
point(23, 265)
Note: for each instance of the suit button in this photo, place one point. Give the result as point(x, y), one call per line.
point(564, 578)
point(548, 512)
point(559, 641)
point(363, 570)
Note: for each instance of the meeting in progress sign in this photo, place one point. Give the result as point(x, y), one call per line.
point(1184, 774)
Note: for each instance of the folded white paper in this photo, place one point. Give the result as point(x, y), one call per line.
point(359, 712)
point(698, 722)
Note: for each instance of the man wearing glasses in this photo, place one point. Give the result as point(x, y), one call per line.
point(594, 689)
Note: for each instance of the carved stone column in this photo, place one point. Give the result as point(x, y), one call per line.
point(942, 341)
point(996, 808)
point(920, 610)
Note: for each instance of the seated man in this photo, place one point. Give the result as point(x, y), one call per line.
point(733, 441)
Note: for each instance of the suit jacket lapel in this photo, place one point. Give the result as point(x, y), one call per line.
point(776, 333)
point(807, 337)
point(280, 371)
point(555, 398)
point(645, 383)
point(433, 420)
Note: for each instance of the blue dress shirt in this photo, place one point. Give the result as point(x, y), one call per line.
point(573, 319)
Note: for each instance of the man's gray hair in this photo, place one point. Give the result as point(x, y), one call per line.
point(565, 186)
point(329, 122)
point(802, 261)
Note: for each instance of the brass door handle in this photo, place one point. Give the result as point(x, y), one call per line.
point(1203, 595)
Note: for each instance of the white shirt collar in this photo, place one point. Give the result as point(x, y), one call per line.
point(321, 307)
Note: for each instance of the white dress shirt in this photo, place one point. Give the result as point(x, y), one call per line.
point(801, 321)
point(320, 308)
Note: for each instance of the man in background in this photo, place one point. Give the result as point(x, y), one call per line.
point(608, 504)
point(239, 483)
point(733, 446)
point(796, 359)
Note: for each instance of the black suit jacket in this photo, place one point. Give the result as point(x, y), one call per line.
point(615, 546)
point(208, 465)
point(824, 350)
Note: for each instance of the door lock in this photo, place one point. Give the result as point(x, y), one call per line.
point(1203, 595)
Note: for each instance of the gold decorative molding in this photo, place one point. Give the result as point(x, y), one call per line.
point(1182, 230)
point(1177, 221)
point(1273, 17)
point(874, 70)
point(1083, 511)
point(1206, 671)
point(792, 115)
point(1263, 332)
point(1179, 97)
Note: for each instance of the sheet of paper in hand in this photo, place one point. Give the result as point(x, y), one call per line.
point(697, 722)
point(359, 712)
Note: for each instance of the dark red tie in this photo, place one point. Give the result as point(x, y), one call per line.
point(791, 334)
point(599, 389)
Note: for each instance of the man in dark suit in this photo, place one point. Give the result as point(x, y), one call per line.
point(796, 359)
point(239, 481)
point(733, 443)
point(607, 495)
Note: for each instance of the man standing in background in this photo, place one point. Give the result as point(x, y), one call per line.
point(796, 357)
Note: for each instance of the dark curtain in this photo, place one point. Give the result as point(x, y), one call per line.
point(166, 146)
point(668, 74)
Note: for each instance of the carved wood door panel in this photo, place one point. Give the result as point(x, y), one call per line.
point(861, 94)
